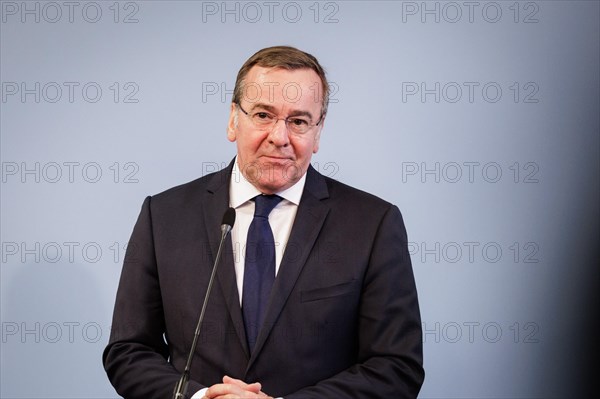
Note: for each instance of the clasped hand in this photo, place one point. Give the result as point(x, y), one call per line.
point(232, 388)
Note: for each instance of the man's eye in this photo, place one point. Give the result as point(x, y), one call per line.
point(299, 122)
point(262, 116)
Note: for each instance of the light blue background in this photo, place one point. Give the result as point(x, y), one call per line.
point(509, 324)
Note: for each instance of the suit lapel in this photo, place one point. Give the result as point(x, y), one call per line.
point(307, 225)
point(216, 204)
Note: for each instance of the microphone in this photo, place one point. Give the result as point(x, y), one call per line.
point(181, 387)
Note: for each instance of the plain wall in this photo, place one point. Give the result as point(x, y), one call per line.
point(478, 119)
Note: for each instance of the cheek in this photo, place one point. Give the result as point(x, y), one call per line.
point(304, 149)
point(249, 143)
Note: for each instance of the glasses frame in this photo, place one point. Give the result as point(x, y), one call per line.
point(285, 120)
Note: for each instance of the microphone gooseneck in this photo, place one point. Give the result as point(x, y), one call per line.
point(181, 387)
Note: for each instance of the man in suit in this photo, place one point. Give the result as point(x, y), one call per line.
point(326, 309)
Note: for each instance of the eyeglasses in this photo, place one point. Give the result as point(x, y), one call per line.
point(266, 121)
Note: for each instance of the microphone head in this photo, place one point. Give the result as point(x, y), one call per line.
point(229, 217)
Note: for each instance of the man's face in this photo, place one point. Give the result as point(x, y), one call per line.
point(274, 159)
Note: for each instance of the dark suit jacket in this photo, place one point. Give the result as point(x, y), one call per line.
point(342, 321)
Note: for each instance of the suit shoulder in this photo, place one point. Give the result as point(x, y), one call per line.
point(191, 191)
point(194, 185)
point(344, 193)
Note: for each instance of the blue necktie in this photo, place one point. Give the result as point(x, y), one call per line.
point(259, 267)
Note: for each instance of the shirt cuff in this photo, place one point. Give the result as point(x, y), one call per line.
point(199, 394)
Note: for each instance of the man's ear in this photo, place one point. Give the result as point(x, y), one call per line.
point(318, 136)
point(232, 124)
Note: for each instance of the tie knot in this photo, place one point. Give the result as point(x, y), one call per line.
point(265, 204)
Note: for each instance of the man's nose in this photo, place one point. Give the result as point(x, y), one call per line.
point(279, 135)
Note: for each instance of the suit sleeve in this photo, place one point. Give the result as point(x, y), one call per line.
point(136, 358)
point(389, 355)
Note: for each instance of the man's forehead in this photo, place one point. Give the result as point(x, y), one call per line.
point(259, 73)
point(269, 85)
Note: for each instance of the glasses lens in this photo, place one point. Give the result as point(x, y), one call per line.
point(298, 125)
point(265, 121)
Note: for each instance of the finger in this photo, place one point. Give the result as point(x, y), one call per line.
point(230, 380)
point(254, 387)
point(218, 390)
point(245, 395)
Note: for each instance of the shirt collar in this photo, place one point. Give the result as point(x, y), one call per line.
point(241, 190)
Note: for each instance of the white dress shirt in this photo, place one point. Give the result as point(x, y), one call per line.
point(281, 219)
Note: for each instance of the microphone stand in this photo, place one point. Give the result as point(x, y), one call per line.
point(181, 388)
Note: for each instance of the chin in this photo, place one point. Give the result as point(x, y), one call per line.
point(272, 186)
point(273, 177)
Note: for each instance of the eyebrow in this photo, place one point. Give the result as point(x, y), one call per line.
point(272, 109)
